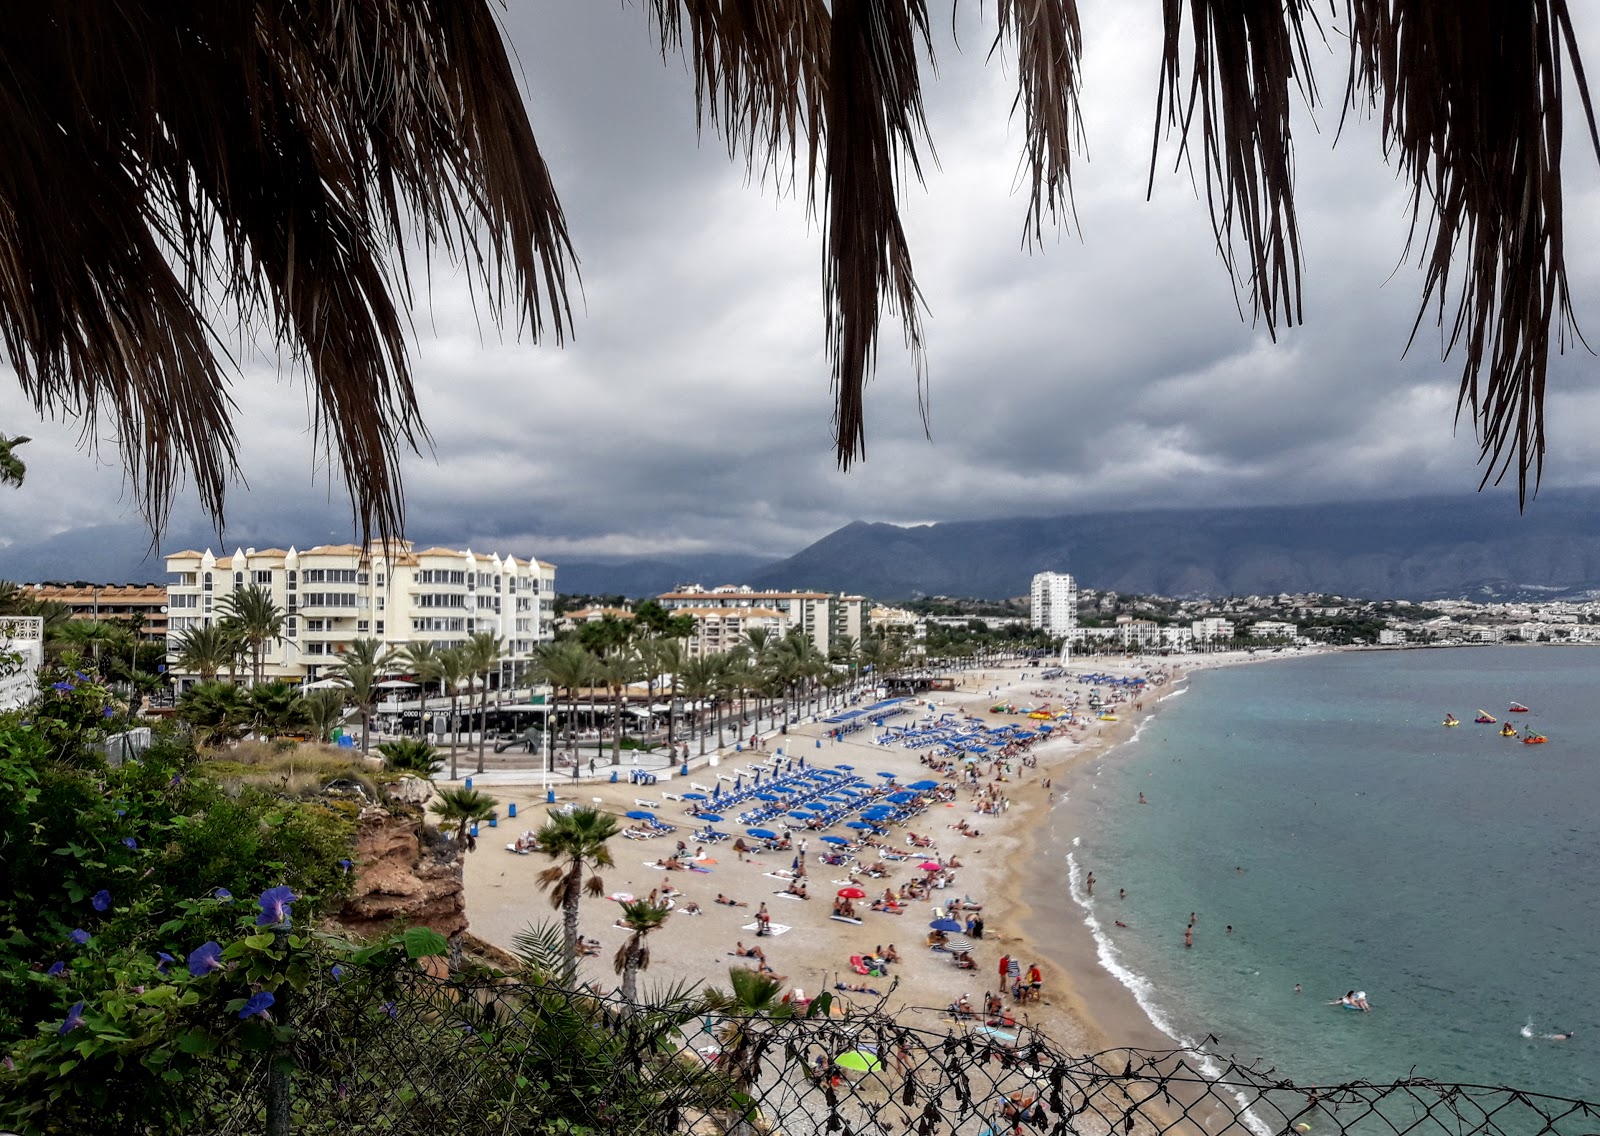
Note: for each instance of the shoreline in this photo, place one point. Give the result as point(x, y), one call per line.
point(1085, 1008)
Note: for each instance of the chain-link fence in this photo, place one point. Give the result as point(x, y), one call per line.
point(399, 1053)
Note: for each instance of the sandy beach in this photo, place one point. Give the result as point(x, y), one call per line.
point(1083, 1008)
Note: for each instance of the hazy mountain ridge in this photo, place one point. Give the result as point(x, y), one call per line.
point(1476, 547)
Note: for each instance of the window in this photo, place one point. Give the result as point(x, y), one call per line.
point(330, 575)
point(315, 648)
point(380, 603)
point(187, 579)
point(290, 627)
point(262, 575)
point(441, 599)
point(328, 599)
point(380, 627)
point(511, 584)
point(438, 623)
point(183, 601)
point(316, 625)
point(208, 581)
point(293, 578)
point(381, 582)
point(362, 578)
point(440, 576)
point(361, 625)
point(238, 579)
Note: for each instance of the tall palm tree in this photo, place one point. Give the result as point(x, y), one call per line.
point(482, 654)
point(205, 650)
point(576, 841)
point(700, 685)
point(12, 468)
point(256, 618)
point(421, 660)
point(565, 666)
point(618, 668)
point(452, 664)
point(640, 917)
point(462, 807)
point(669, 656)
point(751, 1001)
point(364, 664)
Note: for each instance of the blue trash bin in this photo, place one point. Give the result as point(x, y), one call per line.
point(684, 771)
point(549, 796)
point(494, 822)
point(474, 829)
point(511, 809)
point(613, 776)
point(469, 782)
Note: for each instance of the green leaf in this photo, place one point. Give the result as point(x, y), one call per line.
point(424, 942)
point(66, 1067)
point(298, 975)
point(259, 942)
point(196, 1041)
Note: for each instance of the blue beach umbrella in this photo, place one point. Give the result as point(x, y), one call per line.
point(767, 797)
point(762, 833)
point(836, 800)
point(860, 824)
point(833, 840)
point(716, 791)
point(640, 814)
point(902, 798)
point(815, 808)
point(711, 817)
point(695, 797)
point(851, 768)
point(945, 925)
point(885, 773)
point(800, 816)
point(924, 785)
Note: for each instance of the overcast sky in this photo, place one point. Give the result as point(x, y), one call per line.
point(1109, 369)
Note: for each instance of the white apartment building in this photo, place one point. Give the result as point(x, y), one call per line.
point(1212, 630)
point(395, 593)
point(21, 636)
point(1274, 629)
point(1054, 607)
point(825, 618)
point(719, 629)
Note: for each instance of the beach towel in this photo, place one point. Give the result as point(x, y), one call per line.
point(780, 874)
point(845, 919)
point(789, 895)
point(772, 928)
point(698, 868)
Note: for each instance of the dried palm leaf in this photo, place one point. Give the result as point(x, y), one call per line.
point(174, 167)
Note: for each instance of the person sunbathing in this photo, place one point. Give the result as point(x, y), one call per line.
point(798, 888)
point(726, 902)
point(891, 955)
point(961, 1007)
point(691, 908)
point(742, 951)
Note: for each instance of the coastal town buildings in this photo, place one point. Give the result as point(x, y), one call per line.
point(719, 629)
point(826, 618)
point(1213, 630)
point(145, 604)
point(332, 595)
point(1053, 606)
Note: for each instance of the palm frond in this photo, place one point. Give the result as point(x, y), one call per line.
point(1049, 44)
point(542, 949)
point(1246, 57)
point(257, 162)
point(1471, 106)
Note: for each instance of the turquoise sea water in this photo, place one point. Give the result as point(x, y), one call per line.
point(1318, 806)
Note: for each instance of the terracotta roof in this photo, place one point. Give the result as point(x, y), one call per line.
point(186, 554)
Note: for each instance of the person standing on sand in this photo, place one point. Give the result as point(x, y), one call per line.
point(1005, 964)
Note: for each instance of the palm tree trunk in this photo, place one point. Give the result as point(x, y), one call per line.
point(616, 736)
point(630, 973)
point(366, 731)
point(483, 719)
point(569, 911)
point(454, 734)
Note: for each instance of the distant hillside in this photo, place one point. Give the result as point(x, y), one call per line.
point(651, 577)
point(1472, 547)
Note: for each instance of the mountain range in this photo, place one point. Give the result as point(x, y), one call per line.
point(1475, 547)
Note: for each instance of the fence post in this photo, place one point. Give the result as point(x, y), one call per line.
point(278, 1064)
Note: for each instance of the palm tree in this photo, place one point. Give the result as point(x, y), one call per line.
point(217, 712)
point(482, 654)
point(462, 807)
point(699, 685)
point(576, 840)
point(620, 666)
point(421, 659)
point(641, 917)
point(410, 755)
point(12, 468)
point(205, 650)
point(453, 672)
point(91, 636)
point(276, 708)
point(256, 618)
point(362, 667)
point(751, 1000)
point(565, 666)
point(669, 656)
point(324, 711)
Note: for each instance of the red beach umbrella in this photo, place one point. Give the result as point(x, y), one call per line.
point(930, 866)
point(851, 893)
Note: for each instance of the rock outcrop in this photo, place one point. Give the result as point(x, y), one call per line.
point(404, 875)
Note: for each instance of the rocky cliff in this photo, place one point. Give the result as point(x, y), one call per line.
point(404, 875)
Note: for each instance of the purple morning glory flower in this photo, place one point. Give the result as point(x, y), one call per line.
point(177, 779)
point(275, 906)
point(62, 686)
point(130, 842)
point(122, 812)
point(338, 973)
point(346, 865)
point(257, 1003)
point(57, 968)
point(390, 1009)
point(83, 676)
point(74, 1019)
point(108, 713)
point(166, 960)
point(222, 893)
point(101, 900)
point(80, 936)
point(204, 959)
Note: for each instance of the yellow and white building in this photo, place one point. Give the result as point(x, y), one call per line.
point(334, 594)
